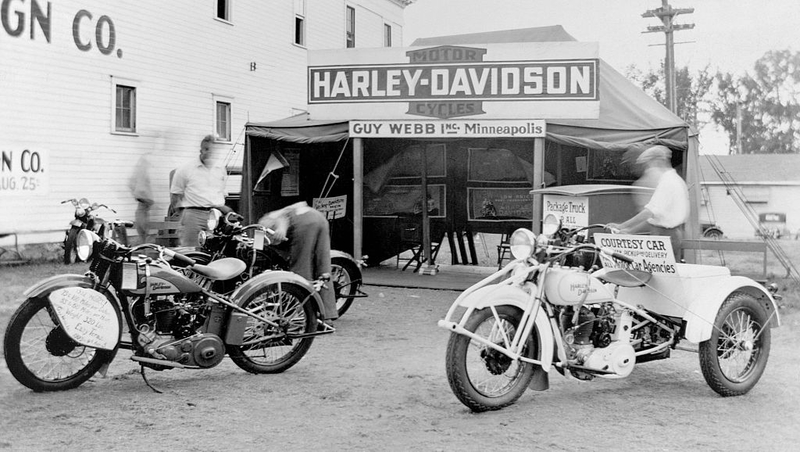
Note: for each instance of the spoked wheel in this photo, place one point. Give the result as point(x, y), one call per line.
point(273, 349)
point(70, 249)
point(345, 279)
point(481, 377)
point(735, 356)
point(41, 355)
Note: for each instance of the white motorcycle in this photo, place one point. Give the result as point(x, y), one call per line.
point(545, 311)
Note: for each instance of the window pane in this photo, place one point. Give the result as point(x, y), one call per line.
point(298, 31)
point(387, 35)
point(222, 9)
point(351, 27)
point(125, 109)
point(223, 121)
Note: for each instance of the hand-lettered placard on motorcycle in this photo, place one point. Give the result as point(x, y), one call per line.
point(333, 207)
point(650, 253)
point(86, 316)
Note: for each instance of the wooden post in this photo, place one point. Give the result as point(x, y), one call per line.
point(538, 182)
point(358, 197)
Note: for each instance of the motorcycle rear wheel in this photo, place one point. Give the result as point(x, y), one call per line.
point(346, 281)
point(735, 356)
point(482, 378)
point(270, 349)
point(41, 356)
point(70, 242)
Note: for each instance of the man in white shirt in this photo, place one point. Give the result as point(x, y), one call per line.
point(668, 208)
point(197, 187)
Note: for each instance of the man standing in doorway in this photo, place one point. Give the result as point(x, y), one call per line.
point(197, 187)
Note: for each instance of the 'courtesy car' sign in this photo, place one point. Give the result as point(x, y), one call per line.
point(499, 81)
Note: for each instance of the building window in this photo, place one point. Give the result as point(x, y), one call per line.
point(123, 105)
point(387, 35)
point(222, 119)
point(300, 22)
point(351, 27)
point(224, 10)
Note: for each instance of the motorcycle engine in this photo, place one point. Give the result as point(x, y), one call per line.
point(170, 331)
point(598, 340)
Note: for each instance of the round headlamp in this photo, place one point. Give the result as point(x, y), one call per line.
point(213, 219)
point(79, 212)
point(522, 243)
point(202, 236)
point(84, 203)
point(550, 225)
point(84, 244)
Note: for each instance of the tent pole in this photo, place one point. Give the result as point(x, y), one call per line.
point(538, 182)
point(358, 196)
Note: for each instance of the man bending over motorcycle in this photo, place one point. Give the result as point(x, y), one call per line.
point(306, 229)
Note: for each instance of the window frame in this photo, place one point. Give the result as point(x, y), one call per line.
point(228, 6)
point(350, 27)
point(299, 28)
point(117, 82)
point(217, 101)
point(387, 35)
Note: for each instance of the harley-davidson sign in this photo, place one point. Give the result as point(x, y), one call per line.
point(531, 80)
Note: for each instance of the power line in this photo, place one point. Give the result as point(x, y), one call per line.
point(667, 13)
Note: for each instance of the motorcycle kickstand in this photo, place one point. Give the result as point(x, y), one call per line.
point(147, 382)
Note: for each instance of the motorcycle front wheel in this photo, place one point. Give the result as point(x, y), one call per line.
point(271, 349)
point(346, 281)
point(481, 377)
point(70, 249)
point(735, 356)
point(41, 355)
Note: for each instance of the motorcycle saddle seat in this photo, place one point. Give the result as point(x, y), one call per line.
point(626, 278)
point(221, 269)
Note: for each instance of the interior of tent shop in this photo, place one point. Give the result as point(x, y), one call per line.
point(473, 186)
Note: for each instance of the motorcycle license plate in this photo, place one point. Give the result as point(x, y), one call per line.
point(258, 239)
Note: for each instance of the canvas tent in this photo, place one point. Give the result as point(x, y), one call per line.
point(629, 120)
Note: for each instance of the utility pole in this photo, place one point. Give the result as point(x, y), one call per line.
point(666, 13)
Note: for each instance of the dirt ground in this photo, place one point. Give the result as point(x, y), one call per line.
point(379, 384)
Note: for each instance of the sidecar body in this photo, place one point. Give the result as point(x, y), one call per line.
point(695, 294)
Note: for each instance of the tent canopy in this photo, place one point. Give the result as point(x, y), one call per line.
point(628, 117)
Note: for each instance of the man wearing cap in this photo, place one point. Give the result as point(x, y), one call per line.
point(197, 187)
point(668, 208)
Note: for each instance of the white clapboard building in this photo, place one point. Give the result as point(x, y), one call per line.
point(89, 86)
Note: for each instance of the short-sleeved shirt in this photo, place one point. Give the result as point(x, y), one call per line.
point(670, 201)
point(200, 185)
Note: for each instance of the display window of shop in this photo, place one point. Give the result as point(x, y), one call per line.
point(123, 105)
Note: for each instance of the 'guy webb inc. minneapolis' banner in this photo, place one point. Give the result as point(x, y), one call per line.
point(551, 80)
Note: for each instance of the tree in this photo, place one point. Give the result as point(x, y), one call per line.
point(762, 110)
point(690, 90)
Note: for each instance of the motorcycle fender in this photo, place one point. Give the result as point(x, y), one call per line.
point(342, 254)
point(702, 311)
point(88, 317)
point(272, 277)
point(498, 295)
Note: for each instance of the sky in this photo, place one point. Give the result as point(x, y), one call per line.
point(728, 35)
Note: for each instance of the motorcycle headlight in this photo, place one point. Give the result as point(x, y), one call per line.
point(84, 244)
point(84, 203)
point(522, 243)
point(202, 236)
point(550, 225)
point(79, 212)
point(213, 219)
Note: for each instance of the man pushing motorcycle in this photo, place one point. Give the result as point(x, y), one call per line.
point(306, 229)
point(668, 208)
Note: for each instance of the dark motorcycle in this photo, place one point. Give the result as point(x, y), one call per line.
point(71, 326)
point(87, 218)
point(252, 244)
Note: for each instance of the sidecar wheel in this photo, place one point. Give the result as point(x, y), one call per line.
point(268, 349)
point(735, 356)
point(41, 356)
point(70, 242)
point(346, 281)
point(482, 378)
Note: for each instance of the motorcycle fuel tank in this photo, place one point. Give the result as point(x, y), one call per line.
point(569, 286)
point(165, 281)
